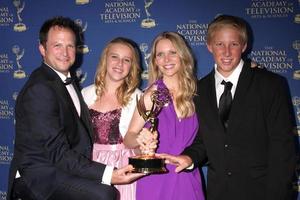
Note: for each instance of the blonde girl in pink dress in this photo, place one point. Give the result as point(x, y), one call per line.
point(111, 101)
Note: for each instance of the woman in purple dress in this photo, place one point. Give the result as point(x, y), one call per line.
point(171, 74)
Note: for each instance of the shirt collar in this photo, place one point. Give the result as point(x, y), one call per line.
point(61, 75)
point(233, 77)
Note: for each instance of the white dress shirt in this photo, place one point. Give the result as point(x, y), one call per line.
point(233, 78)
point(70, 89)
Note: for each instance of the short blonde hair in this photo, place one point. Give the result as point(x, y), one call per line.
point(223, 21)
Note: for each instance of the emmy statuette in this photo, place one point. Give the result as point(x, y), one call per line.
point(147, 162)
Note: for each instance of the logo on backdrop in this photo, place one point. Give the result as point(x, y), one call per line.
point(148, 22)
point(6, 65)
point(19, 73)
point(3, 194)
point(193, 32)
point(6, 110)
point(120, 11)
point(19, 27)
point(81, 2)
point(146, 56)
point(297, 16)
point(5, 155)
point(269, 9)
point(82, 48)
point(297, 19)
point(15, 95)
point(296, 103)
point(81, 76)
point(296, 46)
point(275, 60)
point(6, 17)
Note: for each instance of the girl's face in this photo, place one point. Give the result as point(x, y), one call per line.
point(118, 61)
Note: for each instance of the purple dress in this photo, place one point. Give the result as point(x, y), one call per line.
point(174, 135)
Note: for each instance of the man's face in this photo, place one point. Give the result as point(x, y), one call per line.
point(227, 47)
point(60, 49)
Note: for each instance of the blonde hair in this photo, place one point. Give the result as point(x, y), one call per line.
point(130, 83)
point(224, 21)
point(186, 78)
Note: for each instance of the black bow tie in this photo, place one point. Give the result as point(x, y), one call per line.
point(68, 80)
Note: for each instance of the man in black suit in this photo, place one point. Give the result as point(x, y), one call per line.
point(53, 132)
point(246, 135)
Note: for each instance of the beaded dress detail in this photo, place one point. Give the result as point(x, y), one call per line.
point(108, 146)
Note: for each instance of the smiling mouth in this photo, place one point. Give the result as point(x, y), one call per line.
point(169, 66)
point(226, 61)
point(118, 70)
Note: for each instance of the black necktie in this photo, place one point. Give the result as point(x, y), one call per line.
point(68, 81)
point(225, 103)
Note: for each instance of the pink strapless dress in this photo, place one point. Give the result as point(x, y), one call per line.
point(108, 146)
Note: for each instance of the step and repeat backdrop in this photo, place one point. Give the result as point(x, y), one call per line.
point(276, 43)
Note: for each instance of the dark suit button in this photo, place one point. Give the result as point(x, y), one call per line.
point(229, 174)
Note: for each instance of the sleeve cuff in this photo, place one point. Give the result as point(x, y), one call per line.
point(190, 167)
point(107, 175)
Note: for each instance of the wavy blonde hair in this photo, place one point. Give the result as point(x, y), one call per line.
point(130, 83)
point(186, 77)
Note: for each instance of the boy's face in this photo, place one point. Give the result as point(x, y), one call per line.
point(227, 47)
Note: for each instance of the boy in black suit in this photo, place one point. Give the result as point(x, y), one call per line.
point(246, 133)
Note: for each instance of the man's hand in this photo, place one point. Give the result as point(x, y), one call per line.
point(182, 161)
point(124, 175)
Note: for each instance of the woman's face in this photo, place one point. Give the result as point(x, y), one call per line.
point(167, 58)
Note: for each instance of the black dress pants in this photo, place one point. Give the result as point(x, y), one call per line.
point(74, 188)
point(20, 191)
point(79, 188)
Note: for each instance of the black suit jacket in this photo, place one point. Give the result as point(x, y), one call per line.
point(52, 142)
point(255, 158)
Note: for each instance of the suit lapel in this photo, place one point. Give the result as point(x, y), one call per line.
point(212, 111)
point(85, 115)
point(58, 85)
point(244, 82)
point(62, 90)
point(211, 94)
point(213, 101)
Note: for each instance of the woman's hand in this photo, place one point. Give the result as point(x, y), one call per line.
point(147, 141)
